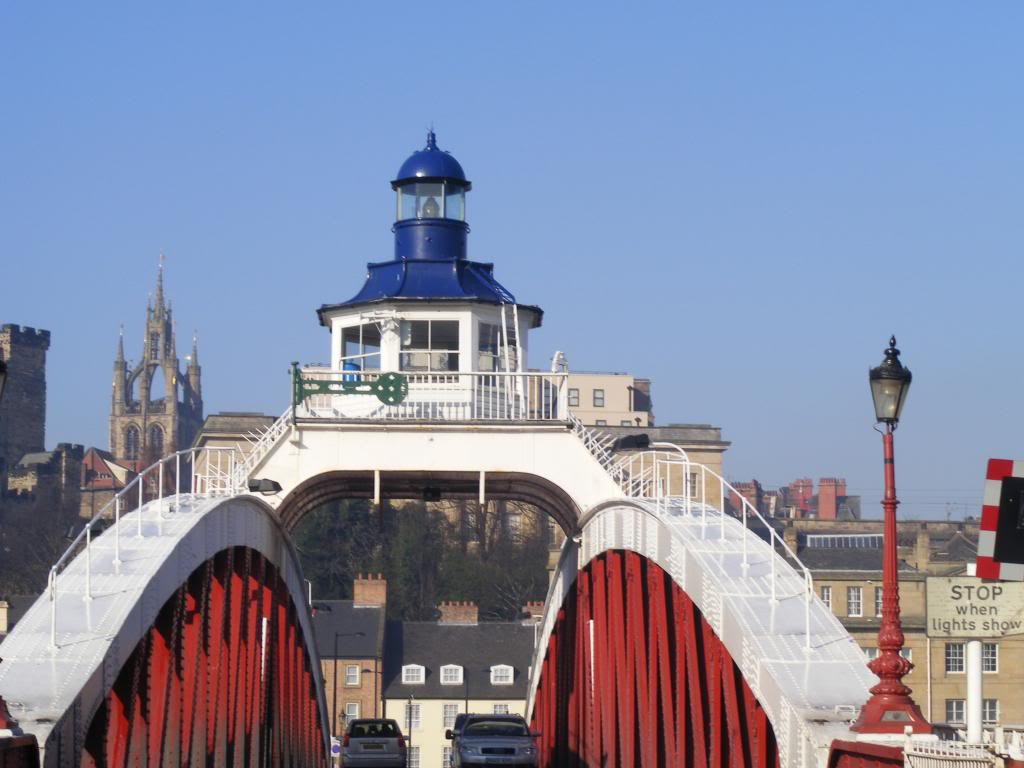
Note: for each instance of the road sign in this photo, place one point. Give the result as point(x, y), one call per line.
point(967, 607)
point(335, 745)
point(1001, 538)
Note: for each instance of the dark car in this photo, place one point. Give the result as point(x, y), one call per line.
point(373, 743)
point(493, 740)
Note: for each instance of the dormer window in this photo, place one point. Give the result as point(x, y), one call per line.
point(451, 674)
point(412, 674)
point(502, 674)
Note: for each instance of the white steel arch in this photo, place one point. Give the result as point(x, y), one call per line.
point(102, 609)
point(799, 661)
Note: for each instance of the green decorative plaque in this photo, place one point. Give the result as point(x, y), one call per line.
point(390, 388)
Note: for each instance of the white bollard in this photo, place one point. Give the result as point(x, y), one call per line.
point(974, 692)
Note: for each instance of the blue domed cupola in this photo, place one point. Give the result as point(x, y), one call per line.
point(430, 221)
point(431, 275)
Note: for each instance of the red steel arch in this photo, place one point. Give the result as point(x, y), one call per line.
point(222, 677)
point(634, 675)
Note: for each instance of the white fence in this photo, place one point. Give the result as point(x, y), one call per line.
point(440, 396)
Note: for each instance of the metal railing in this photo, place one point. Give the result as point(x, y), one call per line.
point(668, 477)
point(437, 396)
point(260, 448)
point(218, 479)
point(945, 754)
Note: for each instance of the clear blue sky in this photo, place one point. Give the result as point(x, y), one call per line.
point(741, 202)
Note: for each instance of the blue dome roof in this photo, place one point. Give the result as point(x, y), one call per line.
point(432, 163)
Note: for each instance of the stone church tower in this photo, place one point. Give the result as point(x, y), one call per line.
point(155, 409)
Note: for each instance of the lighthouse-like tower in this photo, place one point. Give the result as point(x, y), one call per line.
point(430, 310)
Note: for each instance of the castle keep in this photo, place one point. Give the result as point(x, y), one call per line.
point(23, 408)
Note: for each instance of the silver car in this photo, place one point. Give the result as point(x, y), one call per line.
point(493, 740)
point(373, 743)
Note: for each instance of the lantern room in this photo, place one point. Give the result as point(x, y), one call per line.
point(430, 310)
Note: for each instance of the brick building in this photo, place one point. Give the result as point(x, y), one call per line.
point(349, 636)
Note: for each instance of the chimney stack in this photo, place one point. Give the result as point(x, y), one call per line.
point(534, 611)
point(369, 590)
point(458, 612)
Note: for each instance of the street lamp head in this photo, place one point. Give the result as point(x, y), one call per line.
point(890, 382)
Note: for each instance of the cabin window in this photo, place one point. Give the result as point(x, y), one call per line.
point(430, 345)
point(360, 348)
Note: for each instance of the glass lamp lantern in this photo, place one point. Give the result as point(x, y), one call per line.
point(890, 383)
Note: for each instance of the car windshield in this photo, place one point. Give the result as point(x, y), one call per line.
point(374, 729)
point(496, 728)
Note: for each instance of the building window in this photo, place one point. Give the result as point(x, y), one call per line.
point(500, 709)
point(412, 674)
point(826, 597)
point(871, 653)
point(412, 717)
point(360, 348)
point(430, 345)
point(351, 711)
point(490, 348)
point(574, 398)
point(501, 674)
point(600, 423)
point(990, 710)
point(413, 757)
point(907, 653)
point(954, 710)
point(694, 485)
point(156, 441)
point(989, 657)
point(451, 674)
point(131, 442)
point(878, 601)
point(954, 658)
point(625, 423)
point(352, 674)
point(450, 712)
point(853, 601)
point(599, 398)
point(446, 757)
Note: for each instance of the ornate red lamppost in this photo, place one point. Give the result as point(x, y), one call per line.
point(890, 708)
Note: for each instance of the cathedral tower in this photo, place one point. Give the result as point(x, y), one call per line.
point(155, 408)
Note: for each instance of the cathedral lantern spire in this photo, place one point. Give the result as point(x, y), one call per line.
point(120, 344)
point(431, 206)
point(159, 301)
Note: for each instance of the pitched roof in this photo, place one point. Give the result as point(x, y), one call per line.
point(342, 631)
point(474, 647)
point(842, 559)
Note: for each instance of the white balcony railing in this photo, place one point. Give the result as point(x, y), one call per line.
point(441, 396)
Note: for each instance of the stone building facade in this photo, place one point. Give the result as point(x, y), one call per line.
point(23, 407)
point(845, 559)
point(156, 409)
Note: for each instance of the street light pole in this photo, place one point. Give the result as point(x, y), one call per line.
point(890, 710)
